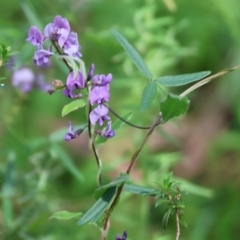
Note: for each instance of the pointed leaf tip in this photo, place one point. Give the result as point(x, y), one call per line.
point(133, 54)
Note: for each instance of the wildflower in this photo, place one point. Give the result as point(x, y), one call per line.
point(35, 37)
point(74, 83)
point(101, 80)
point(41, 57)
point(71, 46)
point(108, 133)
point(99, 95)
point(58, 30)
point(124, 236)
point(99, 114)
point(71, 134)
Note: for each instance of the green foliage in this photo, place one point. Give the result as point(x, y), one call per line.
point(173, 106)
point(97, 210)
point(148, 94)
point(65, 215)
point(171, 198)
point(73, 106)
point(180, 80)
point(133, 54)
point(122, 178)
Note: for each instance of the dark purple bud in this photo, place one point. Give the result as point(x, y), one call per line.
point(124, 236)
point(90, 73)
point(41, 57)
point(108, 132)
point(101, 80)
point(35, 37)
point(71, 46)
point(71, 134)
point(99, 95)
point(23, 79)
point(99, 114)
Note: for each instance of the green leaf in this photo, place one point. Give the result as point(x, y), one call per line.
point(173, 106)
point(65, 215)
point(96, 211)
point(167, 180)
point(148, 94)
point(72, 106)
point(183, 220)
point(116, 125)
point(136, 189)
point(123, 177)
point(161, 201)
point(133, 54)
point(179, 80)
point(67, 162)
point(166, 218)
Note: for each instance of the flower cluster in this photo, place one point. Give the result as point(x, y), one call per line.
point(99, 96)
point(58, 33)
point(66, 43)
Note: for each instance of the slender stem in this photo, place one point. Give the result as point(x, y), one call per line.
point(60, 53)
point(125, 121)
point(133, 160)
point(92, 141)
point(178, 226)
point(207, 80)
point(148, 134)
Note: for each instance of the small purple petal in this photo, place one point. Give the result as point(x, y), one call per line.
point(71, 134)
point(71, 46)
point(48, 31)
point(41, 57)
point(35, 36)
point(99, 114)
point(99, 95)
point(75, 83)
point(108, 133)
point(101, 80)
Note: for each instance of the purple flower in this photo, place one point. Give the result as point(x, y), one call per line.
point(71, 134)
point(90, 73)
point(71, 46)
point(99, 95)
point(108, 133)
point(74, 83)
point(124, 236)
point(41, 57)
point(35, 37)
point(58, 30)
point(99, 114)
point(23, 79)
point(101, 80)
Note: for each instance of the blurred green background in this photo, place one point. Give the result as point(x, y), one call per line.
point(41, 174)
